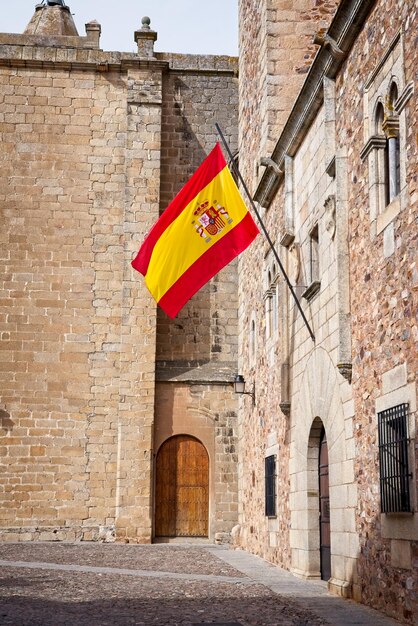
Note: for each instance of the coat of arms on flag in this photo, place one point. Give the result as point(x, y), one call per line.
point(211, 219)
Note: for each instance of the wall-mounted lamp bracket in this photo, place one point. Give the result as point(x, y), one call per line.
point(239, 387)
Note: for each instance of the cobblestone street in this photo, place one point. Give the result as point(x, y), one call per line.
point(54, 584)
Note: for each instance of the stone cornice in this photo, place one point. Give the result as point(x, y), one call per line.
point(196, 372)
point(76, 57)
point(344, 29)
point(374, 142)
point(203, 72)
point(404, 98)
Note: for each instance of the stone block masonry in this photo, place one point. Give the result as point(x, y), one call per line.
point(73, 177)
point(83, 134)
point(384, 333)
point(363, 360)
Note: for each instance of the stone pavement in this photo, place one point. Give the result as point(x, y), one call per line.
point(90, 584)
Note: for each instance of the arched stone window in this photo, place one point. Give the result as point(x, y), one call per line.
point(385, 170)
point(385, 99)
point(380, 157)
point(390, 127)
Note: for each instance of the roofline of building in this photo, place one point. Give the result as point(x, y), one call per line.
point(343, 31)
point(76, 58)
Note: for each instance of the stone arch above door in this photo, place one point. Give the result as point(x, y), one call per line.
point(319, 396)
point(319, 401)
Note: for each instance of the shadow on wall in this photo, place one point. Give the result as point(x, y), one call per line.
point(187, 338)
point(5, 421)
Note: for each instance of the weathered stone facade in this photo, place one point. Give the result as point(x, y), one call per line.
point(94, 379)
point(350, 252)
point(94, 145)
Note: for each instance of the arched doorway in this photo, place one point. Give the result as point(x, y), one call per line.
point(324, 509)
point(182, 488)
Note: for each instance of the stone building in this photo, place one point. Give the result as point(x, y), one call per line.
point(106, 404)
point(115, 422)
point(327, 144)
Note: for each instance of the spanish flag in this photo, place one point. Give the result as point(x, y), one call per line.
point(202, 230)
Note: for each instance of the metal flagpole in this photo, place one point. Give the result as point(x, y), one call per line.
point(267, 236)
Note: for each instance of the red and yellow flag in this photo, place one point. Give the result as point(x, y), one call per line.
point(202, 230)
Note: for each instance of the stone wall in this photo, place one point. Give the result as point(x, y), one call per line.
point(385, 330)
point(198, 92)
point(276, 51)
point(271, 74)
point(90, 139)
point(197, 351)
point(207, 412)
point(74, 176)
point(364, 312)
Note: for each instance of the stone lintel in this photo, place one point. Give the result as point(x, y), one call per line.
point(311, 290)
point(201, 72)
point(46, 41)
point(287, 239)
point(29, 54)
point(374, 142)
point(196, 372)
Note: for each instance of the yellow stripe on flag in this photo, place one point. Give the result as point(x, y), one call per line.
point(181, 245)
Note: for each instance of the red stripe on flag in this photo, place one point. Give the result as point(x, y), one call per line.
point(206, 172)
point(209, 264)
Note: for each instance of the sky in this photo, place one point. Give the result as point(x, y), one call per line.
point(187, 26)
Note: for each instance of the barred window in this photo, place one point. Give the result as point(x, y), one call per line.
point(393, 460)
point(270, 478)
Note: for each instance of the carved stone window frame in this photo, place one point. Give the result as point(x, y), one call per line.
point(271, 300)
point(314, 267)
point(388, 72)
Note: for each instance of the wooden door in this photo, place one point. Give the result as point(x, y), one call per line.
point(324, 510)
point(182, 488)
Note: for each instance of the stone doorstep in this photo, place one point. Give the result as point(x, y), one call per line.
point(184, 540)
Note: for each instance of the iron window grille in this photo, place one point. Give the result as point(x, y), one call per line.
point(270, 484)
point(393, 460)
